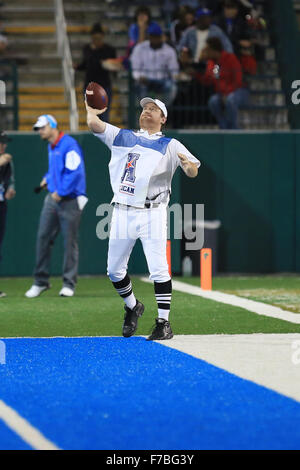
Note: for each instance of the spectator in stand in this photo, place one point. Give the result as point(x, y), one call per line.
point(138, 29)
point(194, 39)
point(185, 18)
point(94, 58)
point(234, 25)
point(155, 67)
point(242, 32)
point(224, 71)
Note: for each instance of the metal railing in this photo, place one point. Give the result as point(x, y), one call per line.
point(64, 52)
point(265, 107)
point(9, 76)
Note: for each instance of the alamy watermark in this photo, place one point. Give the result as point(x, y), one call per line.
point(2, 353)
point(296, 354)
point(179, 222)
point(296, 94)
point(2, 92)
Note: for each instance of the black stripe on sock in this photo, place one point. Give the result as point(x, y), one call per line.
point(122, 285)
point(163, 287)
point(164, 306)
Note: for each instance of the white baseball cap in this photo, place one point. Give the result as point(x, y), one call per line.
point(44, 120)
point(158, 103)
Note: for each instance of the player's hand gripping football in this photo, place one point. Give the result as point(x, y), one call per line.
point(188, 167)
point(93, 120)
point(94, 111)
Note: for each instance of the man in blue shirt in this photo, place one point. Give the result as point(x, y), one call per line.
point(65, 181)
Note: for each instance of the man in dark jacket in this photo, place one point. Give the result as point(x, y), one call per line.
point(7, 188)
point(235, 25)
point(94, 57)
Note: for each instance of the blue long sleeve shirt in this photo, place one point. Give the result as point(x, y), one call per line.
point(66, 171)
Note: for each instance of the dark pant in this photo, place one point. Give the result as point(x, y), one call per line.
point(64, 216)
point(3, 211)
point(226, 111)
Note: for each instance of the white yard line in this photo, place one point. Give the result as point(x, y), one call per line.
point(270, 360)
point(24, 429)
point(259, 308)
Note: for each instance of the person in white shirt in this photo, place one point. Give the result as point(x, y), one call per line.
point(155, 66)
point(141, 169)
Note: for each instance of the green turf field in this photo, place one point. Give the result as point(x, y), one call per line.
point(97, 310)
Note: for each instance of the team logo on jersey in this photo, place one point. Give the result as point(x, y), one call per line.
point(128, 177)
point(129, 170)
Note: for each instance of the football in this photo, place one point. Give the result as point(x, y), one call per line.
point(96, 96)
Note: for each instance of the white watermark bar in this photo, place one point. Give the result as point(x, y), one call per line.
point(183, 222)
point(2, 353)
point(2, 92)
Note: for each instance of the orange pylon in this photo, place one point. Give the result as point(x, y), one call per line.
point(206, 268)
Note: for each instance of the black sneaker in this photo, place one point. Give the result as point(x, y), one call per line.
point(2, 294)
point(131, 318)
point(161, 330)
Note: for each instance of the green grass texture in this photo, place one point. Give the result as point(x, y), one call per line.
point(97, 310)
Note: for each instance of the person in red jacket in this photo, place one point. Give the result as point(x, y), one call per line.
point(224, 72)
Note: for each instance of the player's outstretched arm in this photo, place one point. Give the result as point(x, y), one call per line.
point(93, 121)
point(188, 167)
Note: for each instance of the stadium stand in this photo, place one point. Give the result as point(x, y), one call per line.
point(30, 27)
point(267, 107)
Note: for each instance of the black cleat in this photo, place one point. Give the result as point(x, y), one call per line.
point(162, 330)
point(2, 294)
point(131, 319)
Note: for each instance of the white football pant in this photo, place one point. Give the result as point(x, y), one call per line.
point(150, 226)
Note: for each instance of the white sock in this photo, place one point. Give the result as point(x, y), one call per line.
point(130, 301)
point(162, 313)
